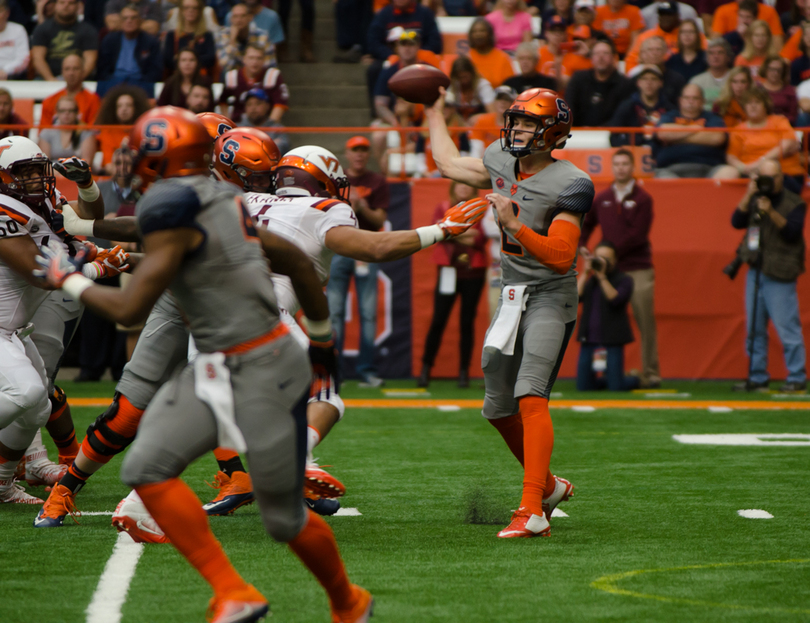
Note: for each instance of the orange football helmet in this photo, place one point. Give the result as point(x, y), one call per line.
point(553, 118)
point(169, 142)
point(216, 124)
point(246, 157)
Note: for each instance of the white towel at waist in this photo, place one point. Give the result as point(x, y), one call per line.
point(212, 384)
point(503, 332)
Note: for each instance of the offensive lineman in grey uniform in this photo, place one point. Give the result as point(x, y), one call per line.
point(539, 203)
point(247, 388)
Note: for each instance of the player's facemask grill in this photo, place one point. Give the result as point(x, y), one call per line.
point(32, 190)
point(537, 143)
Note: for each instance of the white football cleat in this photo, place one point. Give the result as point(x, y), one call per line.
point(131, 516)
point(40, 470)
point(11, 493)
point(563, 491)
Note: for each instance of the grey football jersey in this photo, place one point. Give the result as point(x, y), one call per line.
point(536, 201)
point(224, 287)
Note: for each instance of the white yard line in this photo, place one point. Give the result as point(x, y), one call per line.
point(96, 513)
point(111, 592)
point(347, 512)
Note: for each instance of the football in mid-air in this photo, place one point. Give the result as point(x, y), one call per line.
point(418, 84)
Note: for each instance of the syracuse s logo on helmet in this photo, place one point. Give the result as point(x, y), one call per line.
point(222, 128)
point(228, 152)
point(563, 112)
point(154, 135)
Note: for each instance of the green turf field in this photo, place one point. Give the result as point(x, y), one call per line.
point(652, 534)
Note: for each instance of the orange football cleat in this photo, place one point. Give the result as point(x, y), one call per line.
point(241, 606)
point(60, 503)
point(361, 611)
point(234, 491)
point(563, 491)
point(318, 483)
point(525, 525)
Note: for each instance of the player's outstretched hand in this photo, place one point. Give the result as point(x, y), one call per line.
point(56, 265)
point(114, 261)
point(324, 359)
point(75, 169)
point(462, 216)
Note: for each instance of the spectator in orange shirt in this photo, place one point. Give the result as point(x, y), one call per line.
point(621, 21)
point(759, 43)
point(487, 127)
point(560, 58)
point(88, 102)
point(669, 22)
point(746, 15)
point(121, 106)
point(725, 19)
point(493, 64)
point(747, 150)
point(793, 19)
point(800, 66)
point(729, 104)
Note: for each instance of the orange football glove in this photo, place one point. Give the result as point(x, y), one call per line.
point(462, 216)
point(108, 263)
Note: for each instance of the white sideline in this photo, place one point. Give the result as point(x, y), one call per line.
point(113, 585)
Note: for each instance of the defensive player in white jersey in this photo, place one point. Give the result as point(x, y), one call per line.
point(310, 209)
point(247, 386)
point(539, 204)
point(28, 220)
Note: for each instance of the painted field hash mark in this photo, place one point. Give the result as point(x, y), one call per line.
point(754, 513)
point(113, 586)
point(778, 439)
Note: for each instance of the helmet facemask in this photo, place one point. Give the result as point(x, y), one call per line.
point(534, 145)
point(30, 180)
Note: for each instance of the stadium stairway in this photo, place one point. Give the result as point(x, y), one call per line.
point(323, 94)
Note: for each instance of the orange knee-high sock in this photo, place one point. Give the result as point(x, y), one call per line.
point(511, 429)
point(318, 550)
point(125, 422)
point(180, 515)
point(538, 442)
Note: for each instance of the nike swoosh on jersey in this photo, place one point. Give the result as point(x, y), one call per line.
point(285, 384)
point(525, 198)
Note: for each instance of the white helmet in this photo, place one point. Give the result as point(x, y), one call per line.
point(19, 159)
point(311, 171)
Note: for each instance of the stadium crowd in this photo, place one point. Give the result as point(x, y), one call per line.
point(680, 67)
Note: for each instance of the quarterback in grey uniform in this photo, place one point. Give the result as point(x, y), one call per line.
point(248, 385)
point(539, 203)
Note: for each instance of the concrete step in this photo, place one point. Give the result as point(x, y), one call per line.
point(324, 26)
point(323, 50)
point(323, 74)
point(327, 117)
point(337, 96)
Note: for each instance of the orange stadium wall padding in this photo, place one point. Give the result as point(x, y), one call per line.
point(700, 314)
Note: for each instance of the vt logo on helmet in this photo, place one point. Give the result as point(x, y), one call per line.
point(538, 121)
point(26, 173)
point(311, 171)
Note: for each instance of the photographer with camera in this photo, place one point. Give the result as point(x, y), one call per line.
point(625, 214)
point(604, 293)
point(774, 249)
